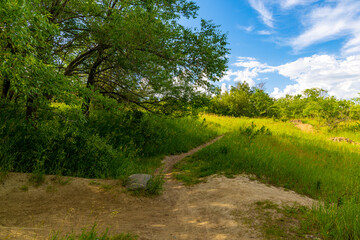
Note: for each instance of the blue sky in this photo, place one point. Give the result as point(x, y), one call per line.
point(291, 45)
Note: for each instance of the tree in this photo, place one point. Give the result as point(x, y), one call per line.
point(262, 103)
point(135, 51)
point(141, 55)
point(335, 111)
point(29, 70)
point(244, 101)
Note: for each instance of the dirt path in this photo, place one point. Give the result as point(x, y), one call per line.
point(170, 161)
point(204, 211)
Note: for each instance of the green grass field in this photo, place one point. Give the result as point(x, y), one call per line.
point(308, 163)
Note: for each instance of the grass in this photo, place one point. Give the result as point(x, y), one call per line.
point(24, 188)
point(92, 234)
point(308, 163)
point(61, 180)
point(278, 222)
point(153, 188)
point(155, 185)
point(37, 179)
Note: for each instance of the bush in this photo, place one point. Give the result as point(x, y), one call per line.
point(55, 147)
point(112, 144)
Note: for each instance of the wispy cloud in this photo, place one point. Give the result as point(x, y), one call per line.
point(265, 15)
point(292, 3)
point(264, 32)
point(246, 28)
point(322, 20)
point(331, 21)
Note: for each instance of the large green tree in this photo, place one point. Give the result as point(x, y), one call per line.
point(133, 51)
point(27, 72)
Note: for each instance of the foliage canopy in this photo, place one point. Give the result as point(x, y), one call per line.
point(135, 52)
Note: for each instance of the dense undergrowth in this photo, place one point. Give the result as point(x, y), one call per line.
point(107, 145)
point(308, 163)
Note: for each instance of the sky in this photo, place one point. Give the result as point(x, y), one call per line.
point(290, 45)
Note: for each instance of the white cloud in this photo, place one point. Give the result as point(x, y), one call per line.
point(323, 20)
point(223, 88)
point(289, 90)
point(264, 32)
point(353, 45)
point(246, 28)
point(331, 21)
point(265, 14)
point(248, 64)
point(241, 76)
point(341, 77)
point(246, 59)
point(251, 68)
point(293, 3)
point(253, 65)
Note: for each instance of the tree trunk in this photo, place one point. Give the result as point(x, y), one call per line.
point(90, 83)
point(6, 82)
point(5, 89)
point(30, 109)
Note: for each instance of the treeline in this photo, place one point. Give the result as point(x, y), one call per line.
point(312, 103)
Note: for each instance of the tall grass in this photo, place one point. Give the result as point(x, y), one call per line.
point(108, 145)
point(308, 163)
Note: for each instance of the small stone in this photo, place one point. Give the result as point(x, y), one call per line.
point(137, 181)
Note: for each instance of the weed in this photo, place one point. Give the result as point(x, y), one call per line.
point(51, 188)
point(266, 205)
point(93, 235)
point(251, 132)
point(24, 188)
point(61, 180)
point(155, 185)
point(37, 178)
point(279, 222)
point(106, 187)
point(94, 183)
point(3, 175)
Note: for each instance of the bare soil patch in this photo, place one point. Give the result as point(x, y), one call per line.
point(303, 126)
point(204, 211)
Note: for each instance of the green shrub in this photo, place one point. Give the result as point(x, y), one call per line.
point(53, 146)
point(112, 144)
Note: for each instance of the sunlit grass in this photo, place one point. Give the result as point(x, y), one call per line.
point(309, 163)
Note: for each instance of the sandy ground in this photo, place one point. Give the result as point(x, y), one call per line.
point(303, 126)
point(204, 211)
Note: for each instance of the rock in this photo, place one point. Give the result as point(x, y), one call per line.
point(137, 181)
point(342, 139)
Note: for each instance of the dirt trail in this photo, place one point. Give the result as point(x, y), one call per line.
point(204, 211)
point(170, 161)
